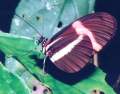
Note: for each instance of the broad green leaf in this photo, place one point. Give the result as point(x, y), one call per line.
point(45, 15)
point(10, 83)
point(95, 81)
point(23, 73)
point(14, 45)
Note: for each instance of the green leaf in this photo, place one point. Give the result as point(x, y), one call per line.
point(45, 15)
point(10, 83)
point(23, 73)
point(14, 45)
point(95, 81)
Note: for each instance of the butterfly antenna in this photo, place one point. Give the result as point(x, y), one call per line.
point(28, 24)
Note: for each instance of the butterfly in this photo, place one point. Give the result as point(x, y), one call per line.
point(71, 49)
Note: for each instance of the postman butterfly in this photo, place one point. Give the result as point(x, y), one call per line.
point(71, 48)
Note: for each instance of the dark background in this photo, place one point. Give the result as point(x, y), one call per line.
point(108, 57)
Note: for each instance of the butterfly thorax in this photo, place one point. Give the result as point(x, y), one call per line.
point(42, 40)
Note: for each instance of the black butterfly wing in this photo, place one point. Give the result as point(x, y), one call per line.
point(71, 51)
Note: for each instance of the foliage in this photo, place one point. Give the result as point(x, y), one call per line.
point(10, 83)
point(93, 82)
